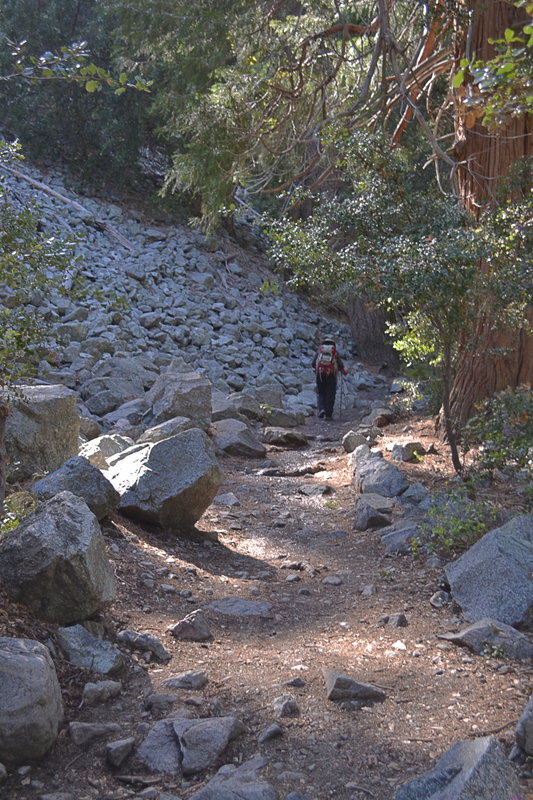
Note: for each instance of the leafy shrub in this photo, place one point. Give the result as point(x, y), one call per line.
point(455, 523)
point(502, 430)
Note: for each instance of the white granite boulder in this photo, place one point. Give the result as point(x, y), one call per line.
point(180, 392)
point(493, 578)
point(169, 483)
point(475, 769)
point(42, 430)
point(77, 475)
point(55, 562)
point(31, 707)
point(235, 438)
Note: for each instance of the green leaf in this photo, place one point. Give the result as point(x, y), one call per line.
point(458, 78)
point(92, 86)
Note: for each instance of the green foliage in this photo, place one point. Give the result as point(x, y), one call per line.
point(98, 134)
point(502, 87)
point(30, 264)
point(455, 523)
point(408, 249)
point(501, 432)
point(17, 506)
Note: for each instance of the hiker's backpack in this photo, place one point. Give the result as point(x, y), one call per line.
point(326, 361)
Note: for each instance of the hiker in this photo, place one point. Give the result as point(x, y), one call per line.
point(327, 363)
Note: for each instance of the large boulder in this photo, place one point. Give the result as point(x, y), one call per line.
point(169, 483)
point(238, 783)
point(235, 438)
point(493, 578)
point(180, 393)
point(476, 769)
point(31, 707)
point(376, 475)
point(492, 637)
point(77, 475)
point(524, 729)
point(55, 562)
point(42, 430)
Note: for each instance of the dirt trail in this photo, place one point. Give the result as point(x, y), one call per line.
point(329, 588)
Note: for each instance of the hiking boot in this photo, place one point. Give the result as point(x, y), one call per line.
point(321, 414)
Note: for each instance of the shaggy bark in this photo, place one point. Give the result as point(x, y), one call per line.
point(484, 160)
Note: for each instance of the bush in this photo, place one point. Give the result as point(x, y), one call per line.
point(501, 432)
point(455, 523)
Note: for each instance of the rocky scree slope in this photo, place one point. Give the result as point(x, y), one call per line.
point(156, 294)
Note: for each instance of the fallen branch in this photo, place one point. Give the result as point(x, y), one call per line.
point(100, 224)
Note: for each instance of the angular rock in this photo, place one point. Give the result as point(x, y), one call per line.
point(55, 562)
point(285, 706)
point(98, 450)
point(367, 516)
point(415, 495)
point(407, 451)
point(492, 637)
point(194, 679)
point(282, 437)
point(83, 733)
point(282, 417)
point(377, 476)
point(100, 692)
point(524, 729)
point(193, 628)
point(83, 649)
point(145, 641)
point(238, 783)
point(159, 751)
point(235, 438)
point(353, 439)
point(179, 392)
point(396, 537)
point(245, 405)
point(79, 476)
point(42, 430)
point(273, 731)
point(493, 578)
point(202, 741)
point(476, 769)
point(117, 752)
point(31, 706)
point(170, 483)
point(165, 430)
point(342, 687)
point(380, 417)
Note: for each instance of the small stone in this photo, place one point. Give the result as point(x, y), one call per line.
point(273, 731)
point(117, 752)
point(398, 620)
point(82, 733)
point(286, 706)
point(332, 580)
point(192, 679)
point(100, 692)
point(439, 599)
point(193, 628)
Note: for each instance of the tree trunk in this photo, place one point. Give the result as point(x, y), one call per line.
point(484, 160)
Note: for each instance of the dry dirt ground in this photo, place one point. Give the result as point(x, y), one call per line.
point(278, 545)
